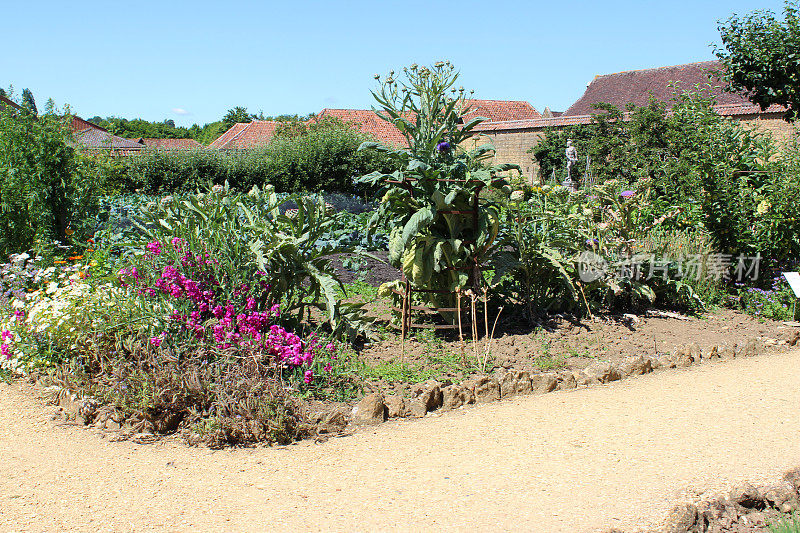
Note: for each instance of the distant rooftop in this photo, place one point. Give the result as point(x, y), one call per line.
point(636, 86)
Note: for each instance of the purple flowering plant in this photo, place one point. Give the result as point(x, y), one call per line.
point(226, 274)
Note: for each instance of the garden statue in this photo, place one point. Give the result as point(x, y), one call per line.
point(572, 158)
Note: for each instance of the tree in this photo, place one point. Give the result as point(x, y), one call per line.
point(761, 55)
point(28, 102)
point(236, 115)
point(47, 187)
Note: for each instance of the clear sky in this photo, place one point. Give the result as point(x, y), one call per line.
point(191, 61)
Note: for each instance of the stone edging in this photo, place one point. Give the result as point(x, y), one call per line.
point(376, 408)
point(745, 508)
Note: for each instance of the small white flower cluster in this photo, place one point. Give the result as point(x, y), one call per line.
point(57, 318)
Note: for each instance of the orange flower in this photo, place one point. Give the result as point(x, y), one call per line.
point(60, 262)
point(90, 249)
point(90, 240)
point(75, 258)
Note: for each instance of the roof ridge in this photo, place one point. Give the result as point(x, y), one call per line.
point(237, 135)
point(654, 68)
point(497, 100)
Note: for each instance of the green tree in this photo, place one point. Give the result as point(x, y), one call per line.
point(28, 102)
point(761, 55)
point(46, 186)
point(236, 115)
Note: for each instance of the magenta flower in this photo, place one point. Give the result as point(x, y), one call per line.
point(328, 368)
point(308, 377)
point(156, 341)
point(5, 351)
point(154, 247)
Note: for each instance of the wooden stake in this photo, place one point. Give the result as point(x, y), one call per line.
point(460, 329)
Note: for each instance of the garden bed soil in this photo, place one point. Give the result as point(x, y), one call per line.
point(570, 344)
point(371, 271)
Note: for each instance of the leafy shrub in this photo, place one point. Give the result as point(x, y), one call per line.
point(46, 186)
point(324, 156)
point(550, 240)
point(777, 302)
point(726, 178)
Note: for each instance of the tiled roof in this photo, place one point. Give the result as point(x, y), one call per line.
point(258, 133)
point(99, 139)
point(171, 144)
point(734, 110)
point(367, 122)
point(501, 110)
point(246, 135)
point(78, 124)
point(223, 139)
point(635, 86)
point(536, 123)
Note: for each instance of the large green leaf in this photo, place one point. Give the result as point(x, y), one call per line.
point(417, 223)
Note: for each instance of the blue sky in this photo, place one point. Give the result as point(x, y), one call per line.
point(191, 61)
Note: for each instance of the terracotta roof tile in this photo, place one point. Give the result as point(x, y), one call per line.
point(223, 139)
point(246, 135)
point(501, 110)
point(172, 144)
point(733, 110)
point(78, 124)
point(367, 122)
point(635, 86)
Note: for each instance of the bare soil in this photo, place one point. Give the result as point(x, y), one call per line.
point(566, 343)
point(618, 455)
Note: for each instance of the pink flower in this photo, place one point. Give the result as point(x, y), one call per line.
point(330, 347)
point(328, 368)
point(5, 351)
point(154, 247)
point(7, 335)
point(156, 341)
point(308, 377)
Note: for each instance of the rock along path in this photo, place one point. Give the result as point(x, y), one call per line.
point(617, 455)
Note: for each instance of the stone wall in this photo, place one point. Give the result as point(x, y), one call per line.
point(780, 130)
point(512, 145)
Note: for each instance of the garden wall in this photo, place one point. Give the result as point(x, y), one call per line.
point(512, 144)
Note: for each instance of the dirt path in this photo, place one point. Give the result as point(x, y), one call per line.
point(619, 455)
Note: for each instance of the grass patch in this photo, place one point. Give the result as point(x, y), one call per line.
point(786, 525)
point(358, 289)
point(549, 362)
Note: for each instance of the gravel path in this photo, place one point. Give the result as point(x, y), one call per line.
point(618, 455)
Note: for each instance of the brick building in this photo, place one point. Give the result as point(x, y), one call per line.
point(258, 133)
point(514, 138)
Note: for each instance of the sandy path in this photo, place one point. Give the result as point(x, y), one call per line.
point(618, 455)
